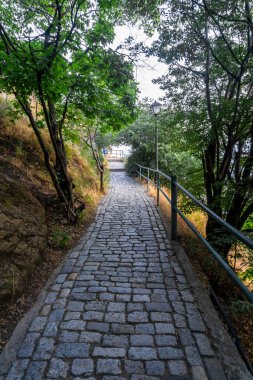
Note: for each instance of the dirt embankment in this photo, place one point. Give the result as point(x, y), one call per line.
point(23, 232)
point(34, 234)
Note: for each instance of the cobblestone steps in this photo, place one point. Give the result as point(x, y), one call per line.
point(115, 165)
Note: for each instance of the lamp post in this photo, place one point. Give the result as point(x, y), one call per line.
point(156, 108)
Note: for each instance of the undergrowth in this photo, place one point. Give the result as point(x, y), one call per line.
point(210, 273)
point(20, 144)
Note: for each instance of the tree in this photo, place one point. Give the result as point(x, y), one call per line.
point(208, 46)
point(174, 154)
point(102, 103)
point(48, 49)
point(89, 140)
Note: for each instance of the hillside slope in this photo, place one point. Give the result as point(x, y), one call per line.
point(34, 233)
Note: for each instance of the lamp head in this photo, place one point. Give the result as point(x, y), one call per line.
point(155, 107)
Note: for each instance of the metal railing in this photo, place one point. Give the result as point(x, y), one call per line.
point(175, 186)
point(117, 154)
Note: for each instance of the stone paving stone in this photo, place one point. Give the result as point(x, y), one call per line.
point(73, 350)
point(160, 317)
point(56, 315)
point(141, 298)
point(142, 340)
point(121, 306)
point(123, 297)
point(135, 307)
point(36, 370)
point(203, 344)
point(156, 368)
point(51, 329)
point(116, 307)
point(108, 366)
point(109, 352)
point(115, 317)
point(170, 353)
point(180, 320)
point(97, 326)
point(142, 353)
point(145, 328)
point(196, 322)
point(193, 356)
point(17, 370)
point(132, 366)
point(38, 324)
point(93, 316)
point(69, 336)
point(118, 328)
point(65, 292)
point(186, 337)
point(166, 340)
point(72, 315)
point(75, 325)
point(82, 367)
point(28, 345)
point(50, 298)
point(44, 349)
point(165, 328)
point(90, 337)
point(45, 310)
point(75, 306)
point(115, 341)
point(158, 306)
point(106, 297)
point(57, 369)
point(59, 303)
point(60, 279)
point(137, 317)
point(177, 367)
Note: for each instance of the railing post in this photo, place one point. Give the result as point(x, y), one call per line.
point(157, 188)
point(173, 208)
point(140, 174)
point(148, 182)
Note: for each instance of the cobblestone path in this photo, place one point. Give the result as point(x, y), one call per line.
point(121, 307)
point(115, 165)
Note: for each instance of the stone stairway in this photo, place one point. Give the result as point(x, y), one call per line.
point(116, 164)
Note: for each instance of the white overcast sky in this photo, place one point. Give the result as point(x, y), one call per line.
point(147, 70)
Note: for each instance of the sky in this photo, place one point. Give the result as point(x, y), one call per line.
point(145, 70)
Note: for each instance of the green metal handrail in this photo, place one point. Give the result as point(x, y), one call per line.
point(174, 211)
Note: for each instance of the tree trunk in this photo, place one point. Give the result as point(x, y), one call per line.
point(99, 163)
point(102, 181)
point(65, 196)
point(220, 239)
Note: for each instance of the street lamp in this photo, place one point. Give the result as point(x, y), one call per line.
point(155, 109)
